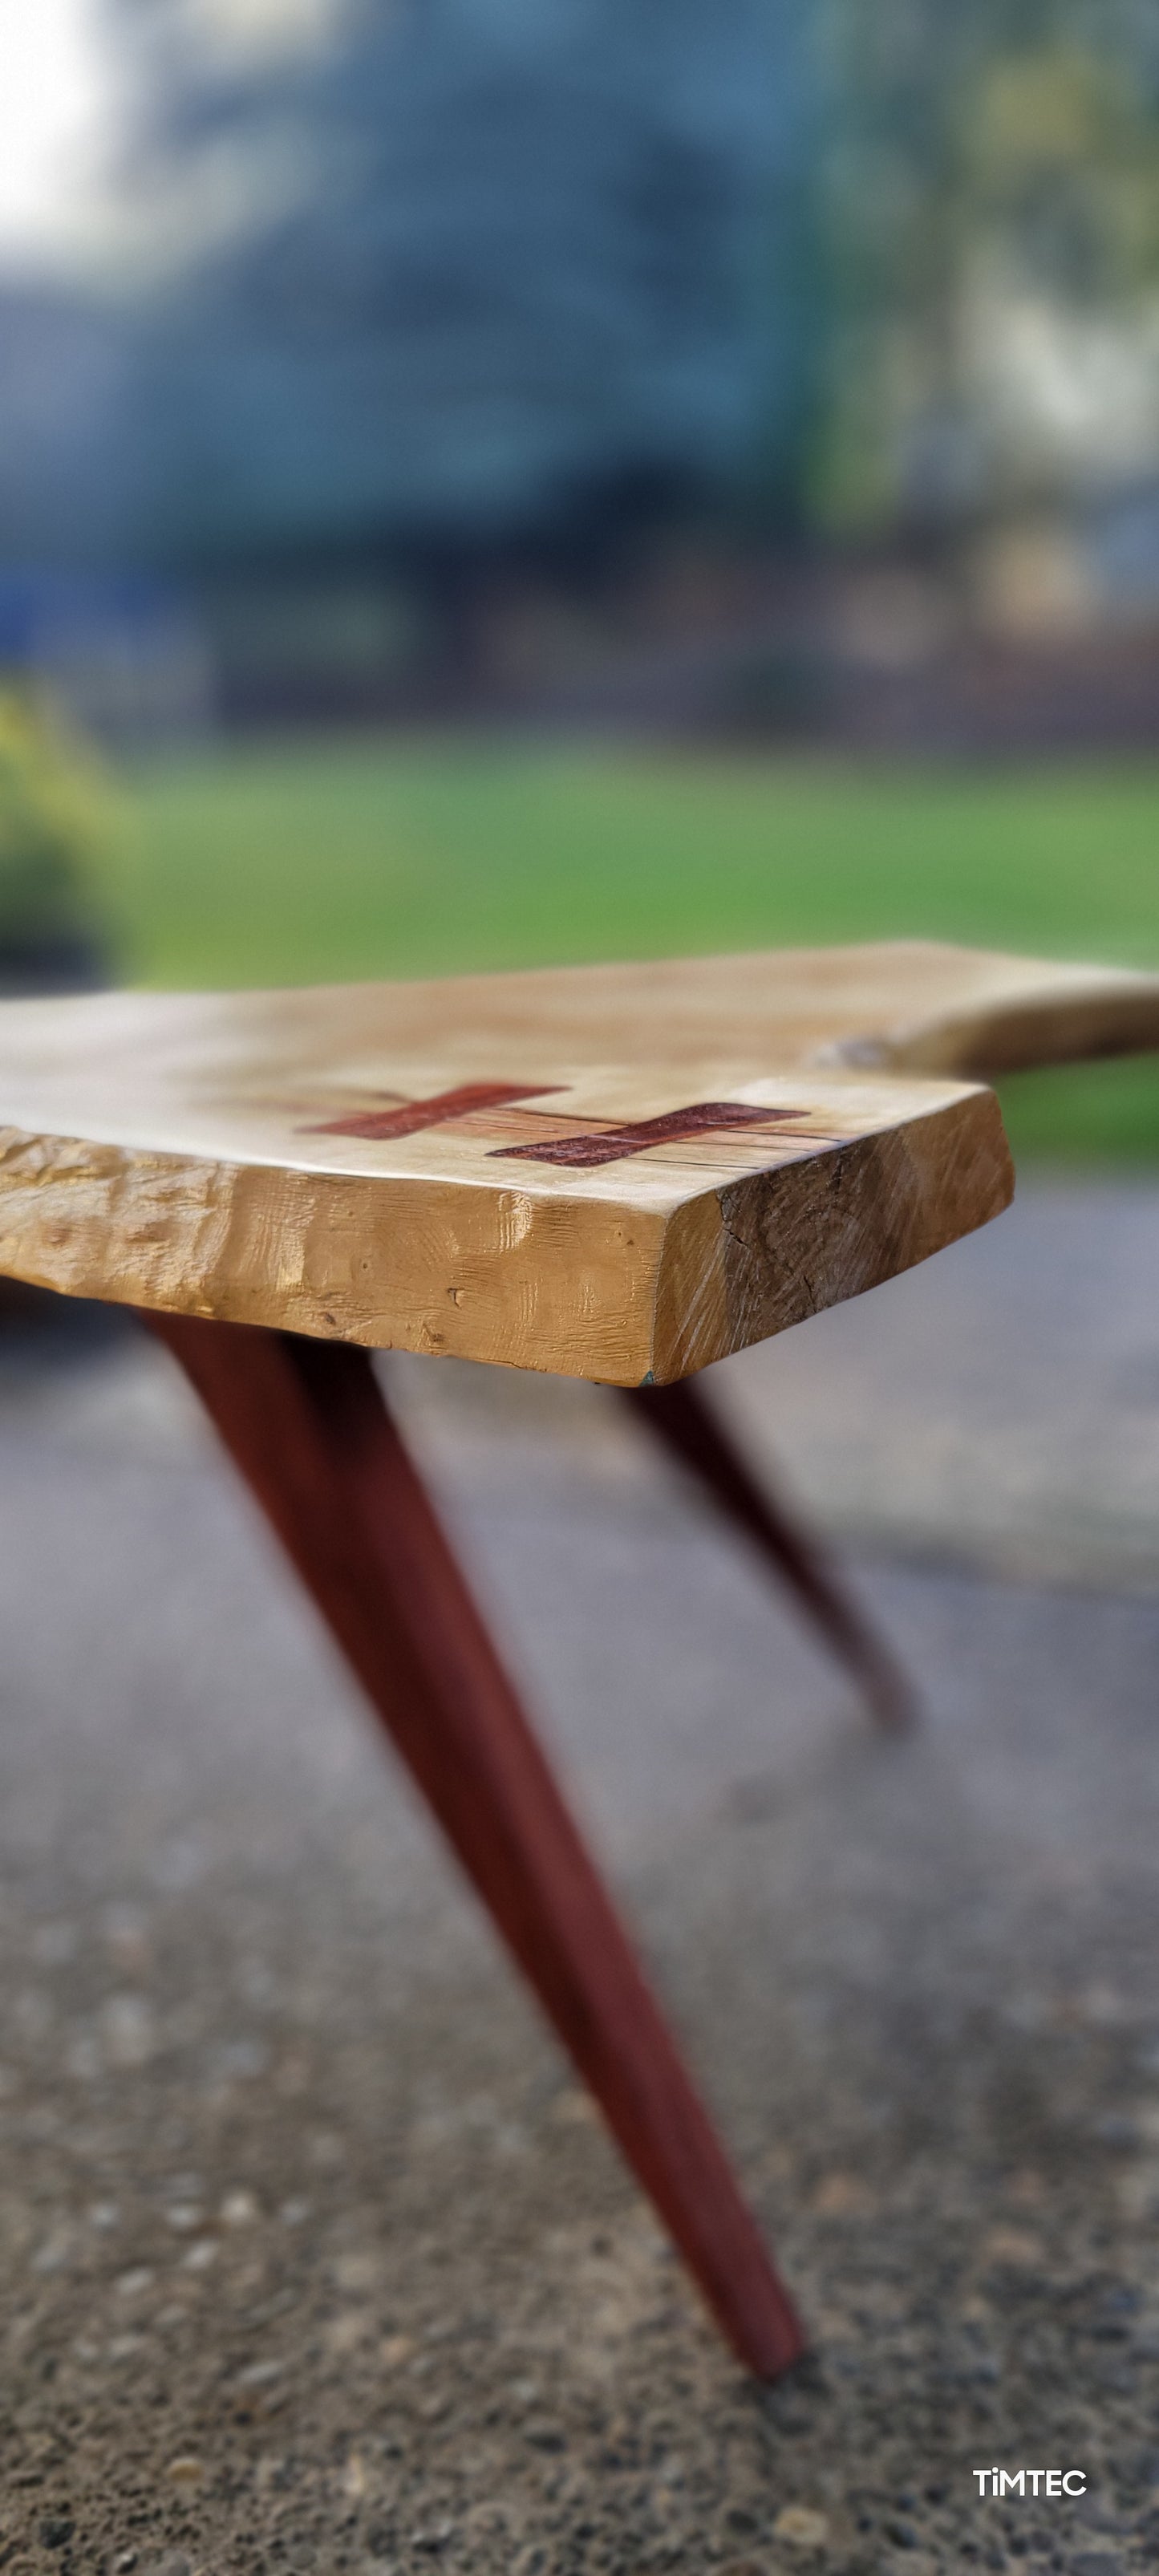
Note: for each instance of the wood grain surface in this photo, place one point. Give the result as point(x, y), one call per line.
point(615, 1172)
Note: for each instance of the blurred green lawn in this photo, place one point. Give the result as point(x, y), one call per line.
point(317, 861)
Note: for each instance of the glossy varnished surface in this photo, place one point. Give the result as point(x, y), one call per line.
point(613, 1172)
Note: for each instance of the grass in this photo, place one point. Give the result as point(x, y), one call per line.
point(313, 861)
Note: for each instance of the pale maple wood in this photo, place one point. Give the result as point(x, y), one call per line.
point(214, 1154)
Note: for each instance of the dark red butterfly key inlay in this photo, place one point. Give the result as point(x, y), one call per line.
point(675, 1126)
point(411, 1116)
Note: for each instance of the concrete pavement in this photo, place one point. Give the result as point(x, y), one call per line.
point(312, 2254)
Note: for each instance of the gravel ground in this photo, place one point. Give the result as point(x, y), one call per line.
point(315, 2259)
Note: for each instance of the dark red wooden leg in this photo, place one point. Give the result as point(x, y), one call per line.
point(683, 1422)
point(306, 1424)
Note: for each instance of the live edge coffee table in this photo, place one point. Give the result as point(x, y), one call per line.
point(619, 1173)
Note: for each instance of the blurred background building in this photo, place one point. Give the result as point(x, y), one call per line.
point(789, 367)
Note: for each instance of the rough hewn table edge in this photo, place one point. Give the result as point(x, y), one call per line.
point(582, 1288)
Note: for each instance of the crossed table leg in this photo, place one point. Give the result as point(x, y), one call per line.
point(684, 1425)
point(306, 1424)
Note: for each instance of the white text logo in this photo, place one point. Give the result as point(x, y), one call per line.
point(1049, 2482)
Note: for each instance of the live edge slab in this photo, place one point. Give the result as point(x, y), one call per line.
point(616, 1172)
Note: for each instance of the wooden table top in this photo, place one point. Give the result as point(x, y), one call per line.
point(615, 1172)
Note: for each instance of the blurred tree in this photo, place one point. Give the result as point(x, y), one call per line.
point(992, 199)
point(504, 272)
point(55, 811)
